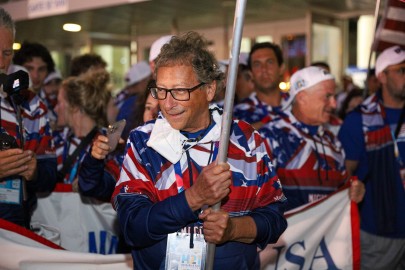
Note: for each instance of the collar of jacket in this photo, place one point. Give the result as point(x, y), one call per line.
point(169, 142)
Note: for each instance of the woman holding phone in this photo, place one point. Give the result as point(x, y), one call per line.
point(81, 108)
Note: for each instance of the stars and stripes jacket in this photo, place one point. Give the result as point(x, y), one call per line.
point(308, 159)
point(160, 162)
point(368, 137)
point(253, 110)
point(96, 178)
point(37, 138)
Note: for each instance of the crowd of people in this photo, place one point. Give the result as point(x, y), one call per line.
point(285, 149)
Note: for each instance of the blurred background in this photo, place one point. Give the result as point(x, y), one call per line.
point(339, 32)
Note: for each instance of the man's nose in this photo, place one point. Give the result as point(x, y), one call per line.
point(332, 102)
point(169, 101)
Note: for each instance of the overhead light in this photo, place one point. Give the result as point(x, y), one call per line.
point(284, 86)
point(16, 46)
point(72, 27)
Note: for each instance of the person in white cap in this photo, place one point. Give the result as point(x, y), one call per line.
point(155, 49)
point(49, 94)
point(137, 79)
point(309, 158)
point(373, 137)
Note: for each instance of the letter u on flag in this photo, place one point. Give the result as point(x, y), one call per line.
point(391, 28)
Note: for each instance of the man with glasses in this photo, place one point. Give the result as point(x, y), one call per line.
point(373, 137)
point(170, 177)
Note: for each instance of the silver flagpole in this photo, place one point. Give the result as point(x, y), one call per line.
point(228, 105)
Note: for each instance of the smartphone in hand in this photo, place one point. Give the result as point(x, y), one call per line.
point(114, 132)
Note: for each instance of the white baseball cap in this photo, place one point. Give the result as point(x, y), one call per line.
point(157, 46)
point(137, 73)
point(391, 56)
point(52, 76)
point(306, 78)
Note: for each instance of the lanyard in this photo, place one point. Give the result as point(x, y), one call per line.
point(396, 150)
point(73, 170)
point(178, 171)
point(72, 159)
point(396, 134)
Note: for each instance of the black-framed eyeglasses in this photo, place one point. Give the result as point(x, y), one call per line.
point(181, 94)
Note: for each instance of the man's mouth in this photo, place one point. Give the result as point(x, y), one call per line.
point(174, 114)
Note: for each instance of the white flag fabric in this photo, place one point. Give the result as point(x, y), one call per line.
point(75, 222)
point(391, 28)
point(23, 249)
point(320, 235)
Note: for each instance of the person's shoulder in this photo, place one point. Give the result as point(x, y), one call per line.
point(143, 131)
point(278, 120)
point(370, 104)
point(247, 102)
point(34, 105)
point(245, 136)
point(242, 130)
point(243, 125)
point(146, 127)
point(351, 124)
point(61, 136)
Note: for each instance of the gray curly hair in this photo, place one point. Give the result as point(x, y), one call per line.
point(191, 49)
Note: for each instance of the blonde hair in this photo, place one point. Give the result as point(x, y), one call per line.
point(90, 92)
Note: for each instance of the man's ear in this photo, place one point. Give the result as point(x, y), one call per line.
point(382, 77)
point(301, 97)
point(210, 90)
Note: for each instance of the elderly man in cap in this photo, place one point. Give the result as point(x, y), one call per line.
point(137, 79)
point(373, 137)
point(170, 176)
point(309, 158)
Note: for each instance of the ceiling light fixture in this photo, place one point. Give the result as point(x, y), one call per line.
point(72, 27)
point(16, 46)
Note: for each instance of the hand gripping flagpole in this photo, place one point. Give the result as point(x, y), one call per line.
point(228, 106)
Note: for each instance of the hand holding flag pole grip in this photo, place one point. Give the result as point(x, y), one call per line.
point(228, 106)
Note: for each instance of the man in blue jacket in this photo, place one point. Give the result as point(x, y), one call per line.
point(169, 177)
point(373, 137)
